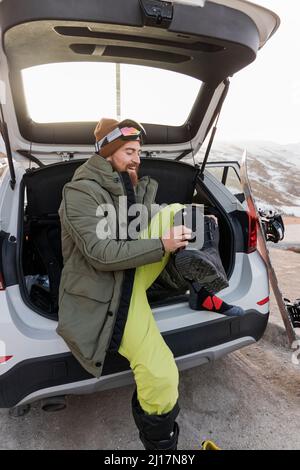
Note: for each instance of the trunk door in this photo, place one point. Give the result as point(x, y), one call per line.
point(206, 44)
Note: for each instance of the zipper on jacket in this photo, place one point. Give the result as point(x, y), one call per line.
point(121, 284)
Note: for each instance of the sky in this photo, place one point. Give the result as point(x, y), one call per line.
point(264, 100)
point(86, 91)
point(263, 103)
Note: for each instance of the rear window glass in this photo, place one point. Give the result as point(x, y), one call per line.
point(83, 92)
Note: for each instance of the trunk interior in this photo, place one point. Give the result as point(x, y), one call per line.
point(41, 257)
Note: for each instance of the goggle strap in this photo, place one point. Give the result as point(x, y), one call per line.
point(111, 137)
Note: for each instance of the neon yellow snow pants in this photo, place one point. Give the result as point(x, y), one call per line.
point(152, 362)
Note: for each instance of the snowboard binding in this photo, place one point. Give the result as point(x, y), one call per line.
point(294, 311)
point(272, 224)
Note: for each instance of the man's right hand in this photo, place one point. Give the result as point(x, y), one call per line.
point(176, 238)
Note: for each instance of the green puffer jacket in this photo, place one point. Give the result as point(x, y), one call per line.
point(93, 273)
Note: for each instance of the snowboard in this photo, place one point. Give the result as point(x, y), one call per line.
point(264, 251)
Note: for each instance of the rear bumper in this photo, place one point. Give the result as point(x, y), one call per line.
point(190, 346)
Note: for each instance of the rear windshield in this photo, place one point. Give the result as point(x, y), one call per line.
point(85, 91)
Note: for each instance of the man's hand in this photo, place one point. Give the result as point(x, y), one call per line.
point(176, 237)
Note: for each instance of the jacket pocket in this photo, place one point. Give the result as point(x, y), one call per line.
point(83, 311)
point(100, 289)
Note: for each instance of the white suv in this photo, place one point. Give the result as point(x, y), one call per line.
point(168, 65)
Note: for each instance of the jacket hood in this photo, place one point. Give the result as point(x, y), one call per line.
point(99, 169)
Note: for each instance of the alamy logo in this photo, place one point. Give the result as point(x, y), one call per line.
point(128, 222)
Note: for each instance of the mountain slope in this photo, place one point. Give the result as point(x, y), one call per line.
point(274, 171)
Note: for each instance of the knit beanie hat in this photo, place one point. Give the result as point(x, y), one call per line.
point(106, 125)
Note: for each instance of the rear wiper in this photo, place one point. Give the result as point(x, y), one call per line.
point(157, 13)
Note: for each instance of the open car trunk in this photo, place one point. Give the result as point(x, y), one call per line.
point(207, 44)
point(41, 256)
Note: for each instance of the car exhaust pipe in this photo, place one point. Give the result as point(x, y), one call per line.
point(52, 404)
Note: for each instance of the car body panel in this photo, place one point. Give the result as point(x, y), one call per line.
point(42, 364)
point(124, 378)
point(34, 336)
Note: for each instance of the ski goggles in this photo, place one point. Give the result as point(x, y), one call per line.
point(124, 133)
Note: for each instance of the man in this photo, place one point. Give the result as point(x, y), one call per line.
point(102, 298)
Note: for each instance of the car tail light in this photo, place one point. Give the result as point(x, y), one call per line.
point(4, 359)
point(263, 301)
point(252, 232)
point(2, 284)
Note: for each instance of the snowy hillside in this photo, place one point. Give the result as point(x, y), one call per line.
point(274, 171)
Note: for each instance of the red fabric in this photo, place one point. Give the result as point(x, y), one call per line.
point(217, 301)
point(208, 303)
point(212, 302)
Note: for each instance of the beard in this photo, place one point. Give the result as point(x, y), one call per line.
point(133, 173)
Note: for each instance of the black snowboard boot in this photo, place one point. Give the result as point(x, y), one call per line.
point(201, 299)
point(204, 265)
point(157, 432)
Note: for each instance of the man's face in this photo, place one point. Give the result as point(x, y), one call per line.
point(127, 158)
